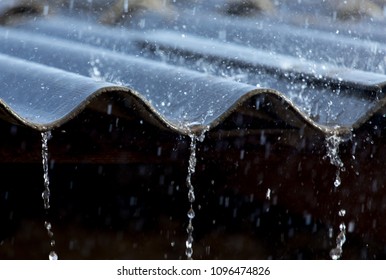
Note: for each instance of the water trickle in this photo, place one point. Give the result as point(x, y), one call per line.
point(336, 253)
point(126, 6)
point(46, 192)
point(191, 195)
point(332, 143)
point(46, 9)
point(71, 6)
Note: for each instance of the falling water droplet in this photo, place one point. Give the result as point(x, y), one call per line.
point(268, 194)
point(189, 252)
point(337, 181)
point(342, 213)
point(351, 226)
point(47, 225)
point(109, 109)
point(189, 242)
point(191, 214)
point(126, 6)
point(53, 256)
point(189, 228)
point(191, 196)
point(341, 239)
point(336, 253)
point(46, 9)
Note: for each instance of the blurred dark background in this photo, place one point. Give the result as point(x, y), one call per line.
point(118, 191)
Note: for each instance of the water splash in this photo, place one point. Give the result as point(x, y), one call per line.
point(332, 143)
point(191, 195)
point(46, 192)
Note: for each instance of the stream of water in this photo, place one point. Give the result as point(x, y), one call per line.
point(191, 195)
point(332, 143)
point(47, 193)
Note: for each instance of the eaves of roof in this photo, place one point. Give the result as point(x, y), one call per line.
point(190, 67)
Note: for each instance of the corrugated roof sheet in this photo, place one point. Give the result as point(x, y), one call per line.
point(269, 80)
point(174, 57)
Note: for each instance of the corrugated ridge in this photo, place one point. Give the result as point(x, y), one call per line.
point(178, 95)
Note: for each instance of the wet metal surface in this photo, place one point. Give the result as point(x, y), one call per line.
point(121, 84)
point(191, 67)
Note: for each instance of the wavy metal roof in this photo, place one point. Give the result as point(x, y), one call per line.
point(190, 63)
point(259, 75)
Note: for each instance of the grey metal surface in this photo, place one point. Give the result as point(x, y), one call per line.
point(190, 64)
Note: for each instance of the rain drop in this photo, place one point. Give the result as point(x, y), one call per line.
point(337, 181)
point(351, 226)
point(46, 9)
point(53, 256)
point(342, 213)
point(191, 214)
point(189, 252)
point(109, 109)
point(47, 225)
point(336, 253)
point(191, 196)
point(190, 228)
point(268, 194)
point(341, 239)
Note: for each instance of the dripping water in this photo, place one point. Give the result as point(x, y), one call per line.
point(126, 6)
point(46, 9)
point(332, 143)
point(47, 193)
point(191, 195)
point(336, 253)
